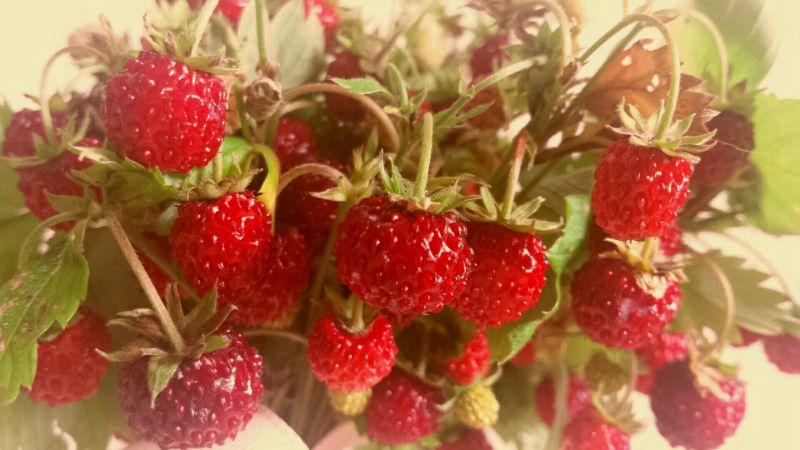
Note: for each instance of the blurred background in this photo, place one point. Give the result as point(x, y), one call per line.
point(30, 32)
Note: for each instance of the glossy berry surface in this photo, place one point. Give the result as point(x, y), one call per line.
point(489, 56)
point(639, 191)
point(468, 439)
point(208, 400)
point(589, 431)
point(783, 351)
point(161, 113)
point(402, 410)
point(68, 368)
point(19, 135)
point(473, 362)
point(348, 361)
point(686, 417)
point(404, 261)
point(578, 397)
point(614, 310)
point(665, 348)
point(294, 142)
point(734, 142)
point(508, 274)
point(345, 65)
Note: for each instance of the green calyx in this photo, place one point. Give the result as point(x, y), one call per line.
point(72, 133)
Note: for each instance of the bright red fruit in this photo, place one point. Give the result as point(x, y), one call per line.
point(24, 125)
point(578, 397)
point(401, 260)
point(161, 113)
point(508, 274)
point(208, 400)
point(613, 309)
point(639, 191)
point(686, 417)
point(402, 410)
point(665, 348)
point(474, 362)
point(524, 357)
point(345, 65)
point(294, 142)
point(734, 143)
point(68, 368)
point(468, 439)
point(348, 361)
point(783, 350)
point(589, 431)
point(486, 58)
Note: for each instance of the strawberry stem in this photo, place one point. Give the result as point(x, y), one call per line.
point(722, 51)
point(201, 23)
point(649, 249)
point(513, 177)
point(261, 36)
point(268, 193)
point(730, 311)
point(560, 382)
point(307, 169)
point(426, 151)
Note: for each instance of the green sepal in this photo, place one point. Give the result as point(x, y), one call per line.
point(160, 370)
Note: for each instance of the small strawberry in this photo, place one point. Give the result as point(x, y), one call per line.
point(690, 418)
point(477, 407)
point(402, 410)
point(486, 58)
point(161, 113)
point(473, 363)
point(346, 65)
point(612, 306)
point(347, 361)
point(24, 125)
point(578, 398)
point(589, 431)
point(494, 117)
point(783, 350)
point(734, 143)
point(294, 142)
point(68, 368)
point(468, 439)
point(665, 348)
point(328, 17)
point(525, 357)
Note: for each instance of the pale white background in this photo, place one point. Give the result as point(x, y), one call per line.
point(30, 31)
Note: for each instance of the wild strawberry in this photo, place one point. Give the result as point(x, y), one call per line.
point(159, 278)
point(161, 113)
point(734, 143)
point(639, 191)
point(508, 274)
point(783, 350)
point(589, 431)
point(208, 400)
point(494, 117)
point(348, 361)
point(665, 348)
point(350, 404)
point(526, 356)
point(68, 368)
point(486, 58)
point(477, 407)
point(670, 241)
point(19, 133)
point(401, 260)
point(232, 9)
point(748, 338)
point(328, 17)
point(578, 397)
point(690, 418)
point(294, 142)
point(402, 410)
point(345, 65)
point(219, 241)
point(468, 439)
point(612, 308)
point(473, 362)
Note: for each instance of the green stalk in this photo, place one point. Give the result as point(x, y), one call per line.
point(201, 23)
point(563, 23)
point(421, 182)
point(513, 177)
point(262, 48)
point(268, 192)
point(238, 92)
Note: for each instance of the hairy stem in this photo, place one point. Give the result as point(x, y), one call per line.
point(563, 23)
point(306, 169)
point(286, 335)
point(201, 23)
point(145, 247)
point(421, 182)
point(513, 176)
point(261, 36)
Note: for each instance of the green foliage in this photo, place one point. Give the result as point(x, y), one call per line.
point(364, 86)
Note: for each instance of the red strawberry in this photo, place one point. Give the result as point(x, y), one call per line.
point(748, 338)
point(494, 117)
point(294, 142)
point(665, 348)
point(345, 65)
point(161, 113)
point(473, 363)
point(348, 361)
point(208, 400)
point(328, 17)
point(68, 368)
point(401, 260)
point(639, 191)
point(159, 278)
point(578, 397)
point(734, 143)
point(24, 124)
point(686, 417)
point(489, 56)
point(468, 439)
point(589, 431)
point(526, 356)
point(613, 309)
point(218, 242)
point(232, 9)
point(783, 350)
point(508, 274)
point(402, 410)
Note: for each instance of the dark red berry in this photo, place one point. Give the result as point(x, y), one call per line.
point(508, 274)
point(589, 431)
point(734, 143)
point(578, 397)
point(404, 261)
point(68, 367)
point(489, 56)
point(294, 143)
point(161, 113)
point(639, 191)
point(402, 410)
point(614, 310)
point(783, 350)
point(526, 356)
point(665, 348)
point(473, 362)
point(494, 117)
point(468, 439)
point(345, 65)
point(24, 125)
point(207, 401)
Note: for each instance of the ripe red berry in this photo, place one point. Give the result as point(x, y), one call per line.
point(589, 431)
point(494, 117)
point(345, 65)
point(524, 357)
point(348, 361)
point(468, 439)
point(614, 310)
point(401, 260)
point(161, 113)
point(686, 417)
point(639, 191)
point(473, 362)
point(734, 143)
point(208, 400)
point(665, 348)
point(328, 17)
point(232, 9)
point(783, 350)
point(486, 58)
point(508, 274)
point(578, 397)
point(219, 241)
point(402, 410)
point(24, 124)
point(68, 368)
point(294, 142)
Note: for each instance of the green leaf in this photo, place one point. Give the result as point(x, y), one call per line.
point(13, 232)
point(129, 183)
point(562, 251)
point(519, 421)
point(748, 34)
point(366, 86)
point(236, 155)
point(13, 201)
point(567, 177)
point(297, 43)
point(47, 289)
point(160, 370)
point(777, 158)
